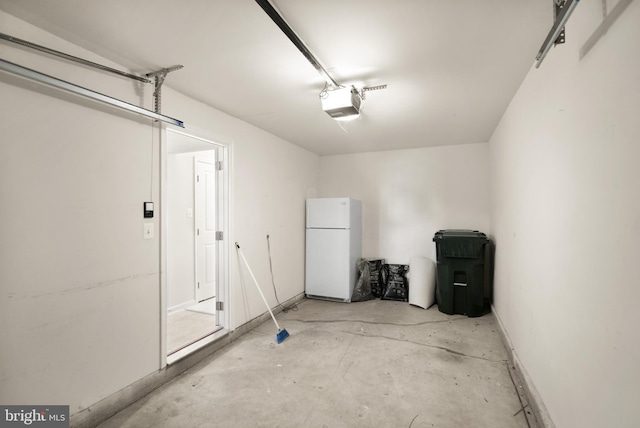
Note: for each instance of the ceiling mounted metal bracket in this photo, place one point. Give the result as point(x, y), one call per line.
point(366, 89)
point(159, 77)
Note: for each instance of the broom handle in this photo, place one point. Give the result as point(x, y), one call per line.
point(255, 281)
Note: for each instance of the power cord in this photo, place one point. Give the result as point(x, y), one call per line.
point(285, 309)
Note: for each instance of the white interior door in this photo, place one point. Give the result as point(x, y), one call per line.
point(206, 226)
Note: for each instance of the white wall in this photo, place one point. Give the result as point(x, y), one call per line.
point(566, 219)
point(80, 287)
point(408, 195)
point(79, 312)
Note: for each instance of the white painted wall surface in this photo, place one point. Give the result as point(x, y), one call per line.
point(408, 195)
point(566, 220)
point(80, 287)
point(79, 306)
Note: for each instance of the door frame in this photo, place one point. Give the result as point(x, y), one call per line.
point(224, 208)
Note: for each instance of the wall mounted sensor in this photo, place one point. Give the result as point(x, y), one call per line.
point(148, 210)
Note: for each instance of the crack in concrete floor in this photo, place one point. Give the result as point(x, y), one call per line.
point(443, 348)
point(377, 322)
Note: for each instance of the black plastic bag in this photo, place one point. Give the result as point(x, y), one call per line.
point(396, 285)
point(377, 277)
point(362, 289)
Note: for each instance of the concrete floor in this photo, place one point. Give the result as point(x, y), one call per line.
point(368, 364)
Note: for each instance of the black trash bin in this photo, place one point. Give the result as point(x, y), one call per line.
point(463, 271)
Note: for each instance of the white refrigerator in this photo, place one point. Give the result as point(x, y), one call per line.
point(333, 247)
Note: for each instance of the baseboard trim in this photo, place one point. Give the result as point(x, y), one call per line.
point(181, 306)
point(533, 397)
point(120, 400)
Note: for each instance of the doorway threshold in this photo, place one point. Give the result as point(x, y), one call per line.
point(197, 344)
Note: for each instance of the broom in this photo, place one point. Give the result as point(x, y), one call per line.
point(282, 333)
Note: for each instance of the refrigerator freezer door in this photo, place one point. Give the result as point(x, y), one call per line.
point(329, 273)
point(329, 213)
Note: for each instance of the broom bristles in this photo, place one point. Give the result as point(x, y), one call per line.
point(282, 335)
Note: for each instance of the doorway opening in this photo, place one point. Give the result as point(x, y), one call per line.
point(196, 254)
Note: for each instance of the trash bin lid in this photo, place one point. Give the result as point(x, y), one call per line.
point(460, 243)
point(459, 233)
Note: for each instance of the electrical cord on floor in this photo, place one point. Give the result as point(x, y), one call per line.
point(285, 309)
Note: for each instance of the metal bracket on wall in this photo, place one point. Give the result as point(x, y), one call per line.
point(561, 16)
point(159, 77)
point(558, 5)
